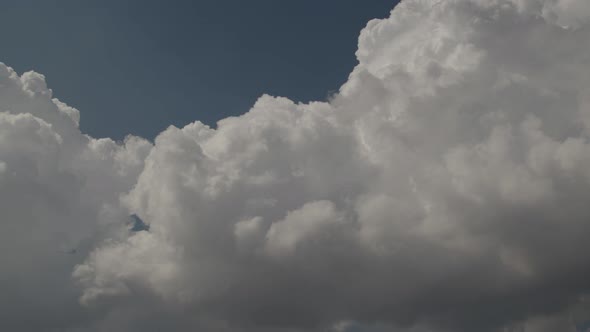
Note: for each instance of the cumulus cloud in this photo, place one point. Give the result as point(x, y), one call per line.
point(444, 188)
point(58, 200)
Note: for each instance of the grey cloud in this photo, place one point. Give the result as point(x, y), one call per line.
point(444, 188)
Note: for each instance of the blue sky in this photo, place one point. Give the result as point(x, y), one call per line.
point(173, 62)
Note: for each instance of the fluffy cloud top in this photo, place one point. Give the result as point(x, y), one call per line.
point(444, 188)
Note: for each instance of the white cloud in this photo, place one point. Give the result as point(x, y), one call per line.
point(443, 188)
point(58, 200)
point(301, 226)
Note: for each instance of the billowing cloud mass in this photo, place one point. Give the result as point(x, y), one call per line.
point(445, 187)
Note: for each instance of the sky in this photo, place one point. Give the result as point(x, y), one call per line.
point(185, 60)
point(442, 187)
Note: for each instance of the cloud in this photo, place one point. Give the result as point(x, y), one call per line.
point(444, 188)
point(58, 200)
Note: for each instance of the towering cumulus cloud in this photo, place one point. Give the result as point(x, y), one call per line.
point(444, 188)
